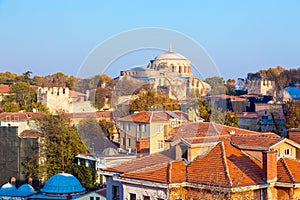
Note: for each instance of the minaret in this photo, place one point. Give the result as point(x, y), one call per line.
point(170, 48)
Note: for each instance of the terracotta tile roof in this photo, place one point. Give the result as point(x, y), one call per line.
point(18, 116)
point(74, 94)
point(147, 161)
point(288, 170)
point(4, 88)
point(86, 115)
point(225, 166)
point(170, 172)
point(30, 134)
point(256, 142)
point(208, 129)
point(156, 116)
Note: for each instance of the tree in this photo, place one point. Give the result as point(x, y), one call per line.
point(86, 175)
point(108, 127)
point(217, 85)
point(11, 107)
point(231, 86)
point(204, 110)
point(59, 146)
point(292, 114)
point(149, 100)
point(101, 95)
point(26, 77)
point(37, 107)
point(231, 119)
point(22, 94)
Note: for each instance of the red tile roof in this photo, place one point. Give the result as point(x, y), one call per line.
point(225, 166)
point(147, 161)
point(4, 89)
point(170, 172)
point(288, 170)
point(30, 134)
point(19, 116)
point(208, 129)
point(74, 94)
point(256, 142)
point(86, 115)
point(155, 116)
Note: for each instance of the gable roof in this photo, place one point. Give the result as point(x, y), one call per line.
point(210, 129)
point(19, 116)
point(154, 116)
point(225, 166)
point(143, 162)
point(288, 170)
point(169, 172)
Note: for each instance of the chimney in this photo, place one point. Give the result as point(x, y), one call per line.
point(269, 163)
point(294, 134)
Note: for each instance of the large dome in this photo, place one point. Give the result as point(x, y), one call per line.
point(170, 55)
point(62, 183)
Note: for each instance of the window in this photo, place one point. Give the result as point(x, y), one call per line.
point(91, 198)
point(145, 128)
point(140, 128)
point(128, 127)
point(123, 126)
point(129, 142)
point(146, 197)
point(160, 144)
point(116, 192)
point(159, 128)
point(132, 196)
point(124, 141)
point(97, 198)
point(288, 152)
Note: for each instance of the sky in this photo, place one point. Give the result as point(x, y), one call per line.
point(46, 37)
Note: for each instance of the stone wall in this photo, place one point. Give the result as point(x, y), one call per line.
point(14, 151)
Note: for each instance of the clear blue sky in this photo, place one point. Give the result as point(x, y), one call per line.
point(241, 36)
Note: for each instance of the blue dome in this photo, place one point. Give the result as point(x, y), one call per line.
point(62, 183)
point(8, 190)
point(25, 190)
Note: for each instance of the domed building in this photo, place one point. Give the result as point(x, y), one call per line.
point(170, 73)
point(9, 191)
point(65, 186)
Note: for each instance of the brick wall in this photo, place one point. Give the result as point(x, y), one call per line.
point(270, 166)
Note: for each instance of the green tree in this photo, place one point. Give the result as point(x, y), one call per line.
point(101, 95)
point(231, 119)
point(231, 86)
point(292, 114)
point(37, 107)
point(11, 107)
point(60, 144)
point(86, 175)
point(217, 85)
point(149, 100)
point(108, 127)
point(22, 94)
point(204, 110)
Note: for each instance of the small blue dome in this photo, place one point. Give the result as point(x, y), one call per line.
point(62, 183)
point(7, 189)
point(25, 190)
